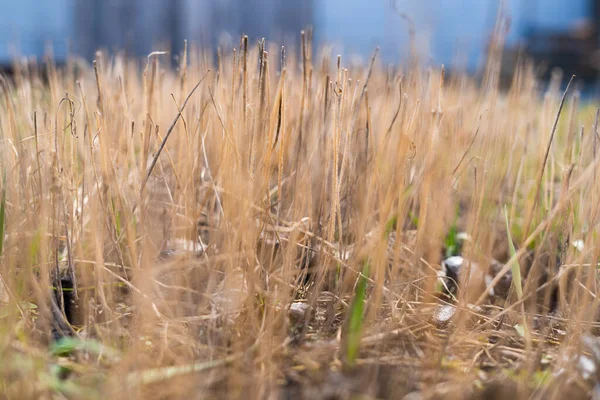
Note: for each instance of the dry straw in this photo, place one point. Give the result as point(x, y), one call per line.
point(208, 227)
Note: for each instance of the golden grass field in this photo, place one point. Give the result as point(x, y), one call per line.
point(268, 225)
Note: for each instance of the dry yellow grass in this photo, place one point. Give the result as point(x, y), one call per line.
point(193, 265)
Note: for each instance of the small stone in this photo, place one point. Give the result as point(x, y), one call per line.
point(298, 311)
point(450, 273)
point(416, 395)
point(443, 314)
point(453, 265)
point(464, 236)
point(587, 366)
point(592, 344)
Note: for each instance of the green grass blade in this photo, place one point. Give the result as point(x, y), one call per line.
point(67, 346)
point(356, 319)
point(523, 331)
point(514, 268)
point(390, 226)
point(451, 241)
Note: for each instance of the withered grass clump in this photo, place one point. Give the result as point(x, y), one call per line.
point(201, 231)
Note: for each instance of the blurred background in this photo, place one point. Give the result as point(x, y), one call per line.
point(562, 33)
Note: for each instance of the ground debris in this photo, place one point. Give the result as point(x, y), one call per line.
point(443, 314)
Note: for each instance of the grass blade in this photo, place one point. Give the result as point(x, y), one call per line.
point(356, 318)
point(160, 374)
point(67, 346)
point(517, 281)
point(514, 268)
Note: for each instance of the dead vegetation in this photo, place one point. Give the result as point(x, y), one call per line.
point(267, 224)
